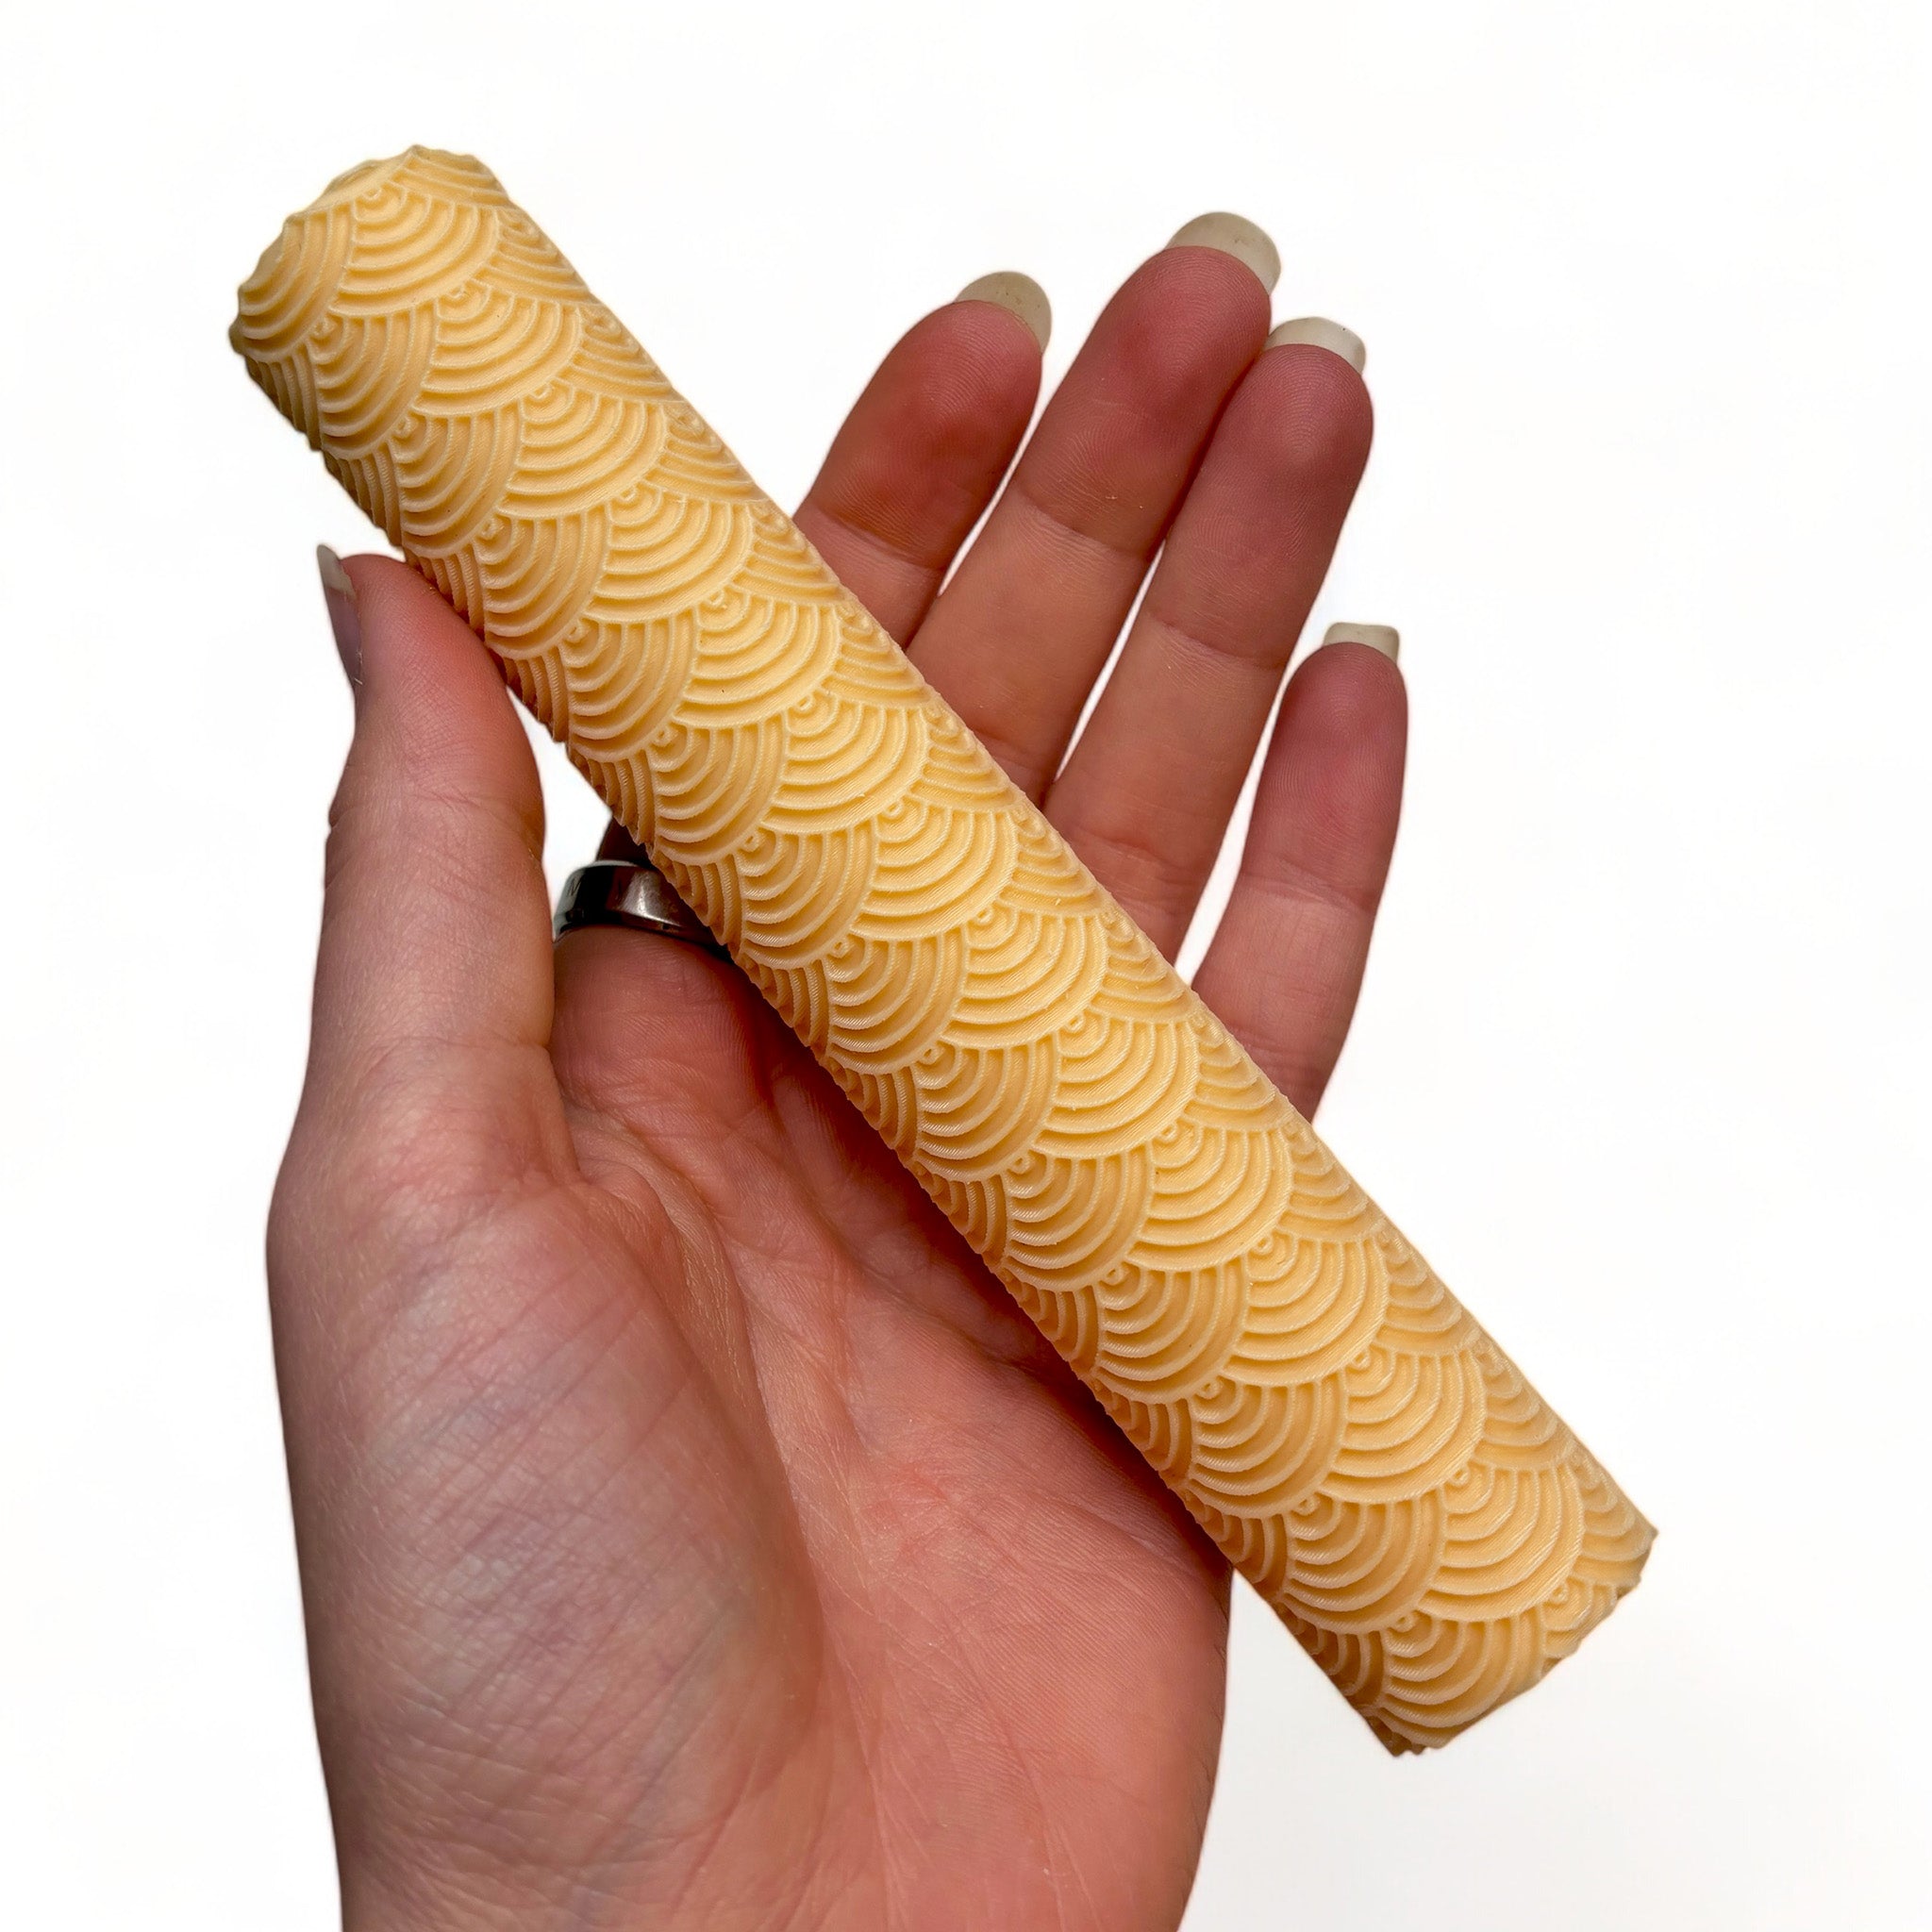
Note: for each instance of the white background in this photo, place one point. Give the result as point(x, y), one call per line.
point(1643, 1055)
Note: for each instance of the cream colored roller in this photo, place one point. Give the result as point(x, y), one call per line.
point(1342, 1429)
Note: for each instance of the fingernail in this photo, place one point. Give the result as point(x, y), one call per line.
point(1378, 637)
point(1237, 236)
point(1019, 295)
point(1322, 334)
point(344, 613)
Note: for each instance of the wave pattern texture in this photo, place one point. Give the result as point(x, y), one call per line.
point(1428, 1528)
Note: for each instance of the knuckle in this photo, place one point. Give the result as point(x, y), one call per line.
point(1129, 856)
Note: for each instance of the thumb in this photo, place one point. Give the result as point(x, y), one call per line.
point(436, 922)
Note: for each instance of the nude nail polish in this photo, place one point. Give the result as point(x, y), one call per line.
point(344, 613)
point(1378, 637)
point(1237, 236)
point(1320, 333)
point(1019, 295)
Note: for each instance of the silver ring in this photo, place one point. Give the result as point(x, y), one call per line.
point(619, 891)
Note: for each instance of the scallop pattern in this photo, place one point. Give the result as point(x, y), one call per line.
point(1428, 1528)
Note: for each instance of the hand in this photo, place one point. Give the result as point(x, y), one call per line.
point(691, 1530)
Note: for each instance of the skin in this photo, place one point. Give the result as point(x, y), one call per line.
point(691, 1531)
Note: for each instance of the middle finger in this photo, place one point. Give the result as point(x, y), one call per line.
point(1147, 794)
point(1018, 637)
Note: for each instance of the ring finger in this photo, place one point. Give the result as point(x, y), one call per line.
point(1019, 636)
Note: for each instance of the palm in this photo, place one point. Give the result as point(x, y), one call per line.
point(723, 1539)
point(933, 1557)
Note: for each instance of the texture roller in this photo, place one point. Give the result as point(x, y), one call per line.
point(1364, 1454)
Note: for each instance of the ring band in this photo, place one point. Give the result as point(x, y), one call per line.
point(619, 891)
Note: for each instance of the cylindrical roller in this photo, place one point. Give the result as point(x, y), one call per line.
point(1342, 1429)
